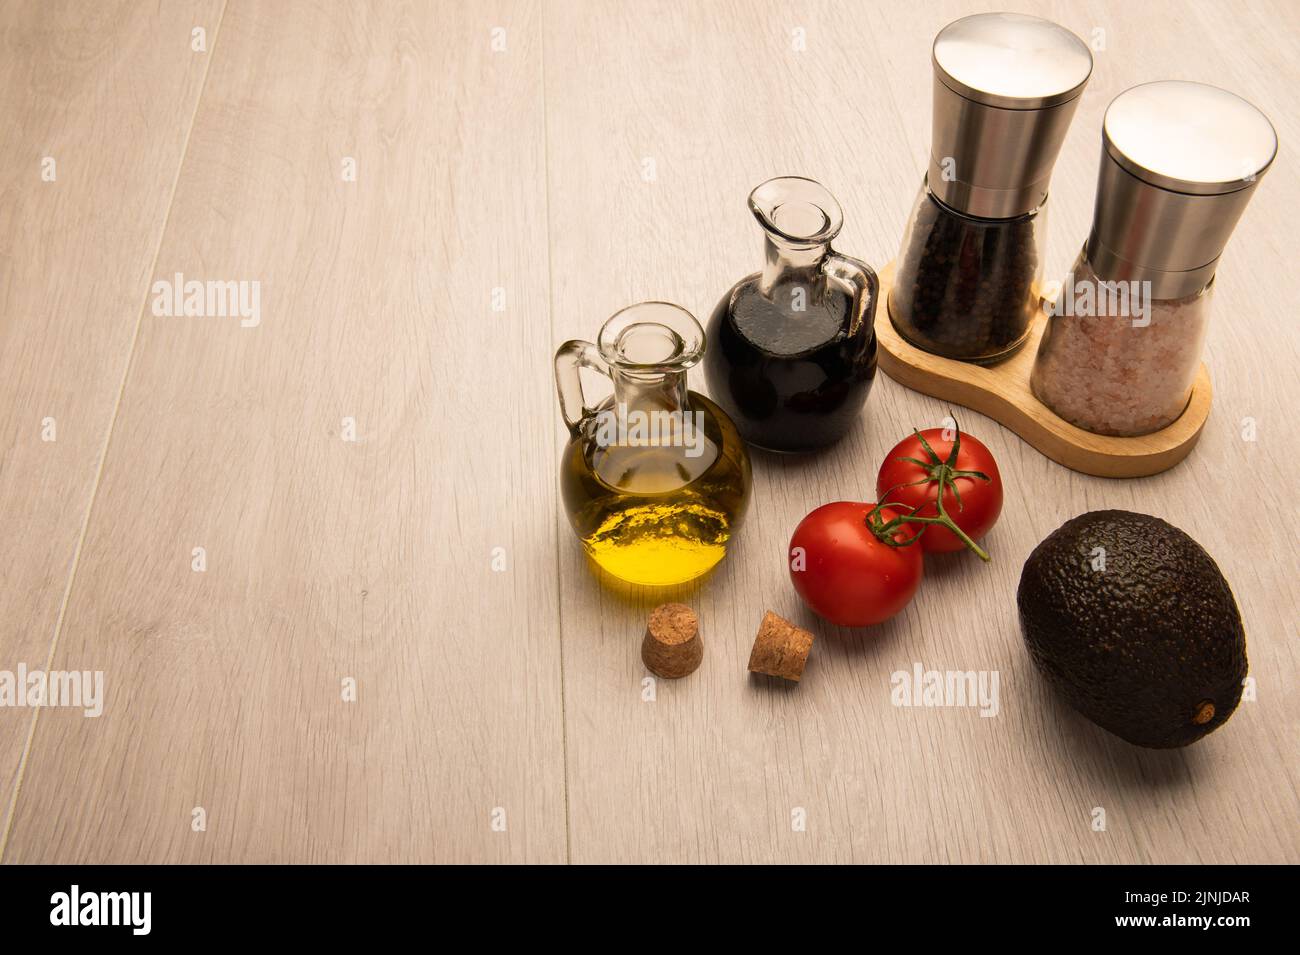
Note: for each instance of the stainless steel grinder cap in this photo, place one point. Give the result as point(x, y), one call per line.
point(1179, 163)
point(1006, 86)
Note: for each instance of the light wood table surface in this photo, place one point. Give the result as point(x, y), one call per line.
point(523, 170)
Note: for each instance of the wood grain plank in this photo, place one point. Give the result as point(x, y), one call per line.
point(330, 559)
point(371, 559)
point(713, 770)
point(95, 104)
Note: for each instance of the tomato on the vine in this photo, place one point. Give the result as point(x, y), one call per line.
point(920, 464)
point(845, 573)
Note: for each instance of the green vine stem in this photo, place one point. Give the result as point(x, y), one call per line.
point(938, 471)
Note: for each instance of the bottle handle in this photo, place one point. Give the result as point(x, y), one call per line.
point(571, 358)
point(862, 277)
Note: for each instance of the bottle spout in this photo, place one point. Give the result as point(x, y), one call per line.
point(799, 217)
point(652, 338)
point(649, 347)
point(797, 212)
point(644, 350)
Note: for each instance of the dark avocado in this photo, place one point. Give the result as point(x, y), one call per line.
point(1151, 647)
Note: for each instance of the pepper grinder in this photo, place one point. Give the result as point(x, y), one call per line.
point(969, 276)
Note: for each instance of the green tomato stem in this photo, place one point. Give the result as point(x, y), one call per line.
point(939, 472)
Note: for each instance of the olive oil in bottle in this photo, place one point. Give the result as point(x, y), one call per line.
point(655, 479)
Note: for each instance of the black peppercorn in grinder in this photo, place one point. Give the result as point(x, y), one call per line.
point(969, 273)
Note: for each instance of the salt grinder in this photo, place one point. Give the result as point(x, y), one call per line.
point(1179, 163)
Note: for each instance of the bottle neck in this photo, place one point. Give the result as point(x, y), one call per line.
point(664, 391)
point(794, 266)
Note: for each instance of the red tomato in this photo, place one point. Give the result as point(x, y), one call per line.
point(913, 485)
point(845, 573)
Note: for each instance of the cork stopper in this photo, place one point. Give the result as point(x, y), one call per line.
point(780, 649)
point(672, 647)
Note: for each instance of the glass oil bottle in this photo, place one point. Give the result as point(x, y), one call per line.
point(792, 349)
point(655, 479)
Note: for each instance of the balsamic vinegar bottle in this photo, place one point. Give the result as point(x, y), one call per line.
point(792, 349)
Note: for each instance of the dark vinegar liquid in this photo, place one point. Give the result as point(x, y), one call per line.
point(791, 380)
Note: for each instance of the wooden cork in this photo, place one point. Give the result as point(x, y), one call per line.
point(780, 649)
point(672, 647)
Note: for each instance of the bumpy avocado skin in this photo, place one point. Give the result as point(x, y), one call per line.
point(1140, 647)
